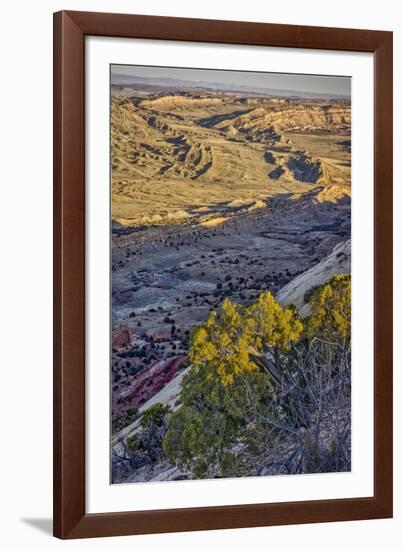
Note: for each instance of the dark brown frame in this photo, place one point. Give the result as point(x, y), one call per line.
point(70, 517)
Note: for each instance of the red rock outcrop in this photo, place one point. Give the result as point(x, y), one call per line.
point(122, 337)
point(149, 382)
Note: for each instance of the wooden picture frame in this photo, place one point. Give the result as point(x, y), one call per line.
point(70, 517)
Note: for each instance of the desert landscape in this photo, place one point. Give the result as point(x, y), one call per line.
point(219, 195)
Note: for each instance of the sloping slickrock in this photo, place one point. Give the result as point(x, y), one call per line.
point(338, 262)
point(168, 395)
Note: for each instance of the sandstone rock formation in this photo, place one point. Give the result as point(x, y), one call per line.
point(122, 337)
point(195, 143)
point(296, 291)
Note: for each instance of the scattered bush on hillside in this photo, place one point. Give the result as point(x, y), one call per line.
point(121, 421)
point(144, 446)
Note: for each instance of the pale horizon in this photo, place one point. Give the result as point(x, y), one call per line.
point(309, 84)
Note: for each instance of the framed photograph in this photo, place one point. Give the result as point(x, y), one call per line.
point(223, 274)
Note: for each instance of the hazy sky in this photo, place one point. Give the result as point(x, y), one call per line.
point(337, 85)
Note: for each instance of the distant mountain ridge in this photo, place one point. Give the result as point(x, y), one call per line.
point(174, 84)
